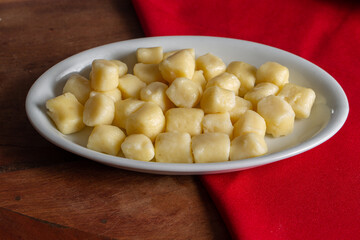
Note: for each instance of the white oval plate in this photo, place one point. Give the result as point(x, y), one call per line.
point(328, 114)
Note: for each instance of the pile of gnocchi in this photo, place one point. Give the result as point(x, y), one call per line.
point(177, 108)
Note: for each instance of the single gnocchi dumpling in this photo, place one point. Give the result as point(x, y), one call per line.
point(211, 65)
point(184, 120)
point(79, 86)
point(148, 120)
point(170, 53)
point(248, 145)
point(226, 81)
point(211, 147)
point(66, 112)
point(218, 122)
point(106, 139)
point(278, 115)
point(123, 68)
point(98, 110)
point(248, 122)
point(173, 147)
point(260, 91)
point(130, 86)
point(217, 100)
point(138, 147)
point(300, 98)
point(156, 92)
point(199, 78)
point(123, 109)
point(152, 55)
point(246, 74)
point(180, 64)
point(184, 93)
point(273, 72)
point(148, 73)
point(104, 75)
point(241, 106)
point(114, 94)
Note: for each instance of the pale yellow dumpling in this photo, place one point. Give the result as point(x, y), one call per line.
point(273, 72)
point(184, 120)
point(170, 53)
point(248, 145)
point(199, 78)
point(184, 92)
point(218, 122)
point(173, 147)
point(246, 74)
point(138, 147)
point(152, 55)
point(79, 86)
point(104, 75)
point(260, 91)
point(278, 115)
point(123, 109)
point(106, 139)
point(123, 68)
point(148, 120)
point(300, 98)
point(148, 73)
point(98, 110)
point(180, 64)
point(66, 112)
point(114, 94)
point(211, 147)
point(156, 92)
point(130, 86)
point(250, 121)
point(211, 65)
point(217, 100)
point(241, 106)
point(226, 81)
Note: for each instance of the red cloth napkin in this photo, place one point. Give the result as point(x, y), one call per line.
point(315, 195)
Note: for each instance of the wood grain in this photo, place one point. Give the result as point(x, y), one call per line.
point(110, 202)
point(49, 193)
point(35, 35)
point(17, 226)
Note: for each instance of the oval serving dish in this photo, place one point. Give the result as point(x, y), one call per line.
point(328, 115)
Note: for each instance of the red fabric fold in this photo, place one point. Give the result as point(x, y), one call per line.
point(315, 195)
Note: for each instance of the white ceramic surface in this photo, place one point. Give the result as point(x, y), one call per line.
point(328, 114)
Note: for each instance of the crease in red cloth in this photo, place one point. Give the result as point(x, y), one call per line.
point(315, 195)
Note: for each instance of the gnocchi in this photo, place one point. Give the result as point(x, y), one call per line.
point(99, 109)
point(174, 107)
point(184, 93)
point(179, 64)
point(211, 147)
point(217, 100)
point(79, 86)
point(184, 120)
point(173, 147)
point(66, 112)
point(106, 139)
point(138, 147)
point(278, 115)
point(211, 65)
point(246, 74)
point(104, 75)
point(149, 120)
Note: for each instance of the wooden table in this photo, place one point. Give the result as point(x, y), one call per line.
point(48, 193)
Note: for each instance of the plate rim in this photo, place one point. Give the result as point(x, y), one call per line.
point(337, 119)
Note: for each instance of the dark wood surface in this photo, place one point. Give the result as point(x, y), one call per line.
point(48, 193)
